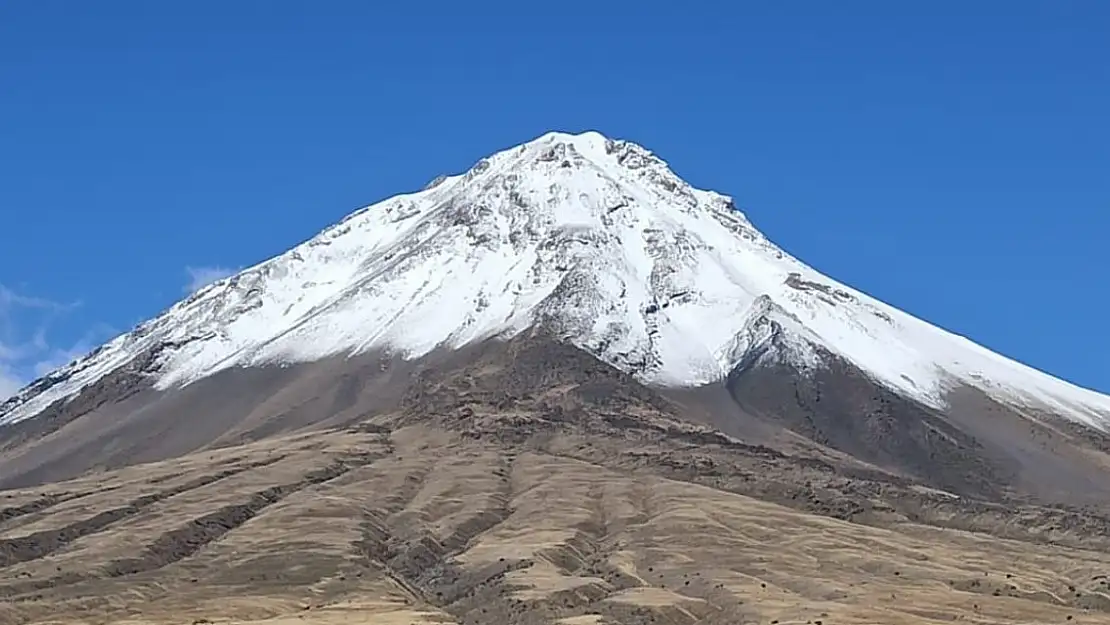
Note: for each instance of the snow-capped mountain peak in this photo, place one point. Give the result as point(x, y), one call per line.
point(596, 239)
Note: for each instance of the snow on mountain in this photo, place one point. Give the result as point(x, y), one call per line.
point(595, 238)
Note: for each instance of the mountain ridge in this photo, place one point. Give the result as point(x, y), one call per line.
point(594, 238)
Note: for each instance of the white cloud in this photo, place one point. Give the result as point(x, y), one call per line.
point(9, 299)
point(9, 382)
point(200, 277)
point(25, 351)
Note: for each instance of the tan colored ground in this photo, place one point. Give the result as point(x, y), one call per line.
point(422, 526)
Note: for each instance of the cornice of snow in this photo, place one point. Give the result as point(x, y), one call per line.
point(594, 238)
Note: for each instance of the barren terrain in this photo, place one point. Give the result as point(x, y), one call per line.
point(528, 484)
point(425, 525)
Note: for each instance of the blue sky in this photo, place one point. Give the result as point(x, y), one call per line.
point(951, 158)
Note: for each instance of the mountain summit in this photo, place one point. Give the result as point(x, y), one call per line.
point(593, 239)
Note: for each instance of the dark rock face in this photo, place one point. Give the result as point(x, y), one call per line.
point(533, 371)
point(977, 446)
point(840, 407)
point(123, 420)
point(1055, 459)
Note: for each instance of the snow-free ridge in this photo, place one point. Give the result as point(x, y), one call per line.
point(595, 238)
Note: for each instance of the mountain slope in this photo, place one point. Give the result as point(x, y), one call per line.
point(564, 387)
point(596, 239)
point(519, 482)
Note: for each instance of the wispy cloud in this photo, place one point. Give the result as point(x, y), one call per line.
point(9, 382)
point(26, 350)
point(9, 299)
point(200, 277)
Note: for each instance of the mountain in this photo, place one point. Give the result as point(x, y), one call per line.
point(595, 238)
point(596, 243)
point(562, 387)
